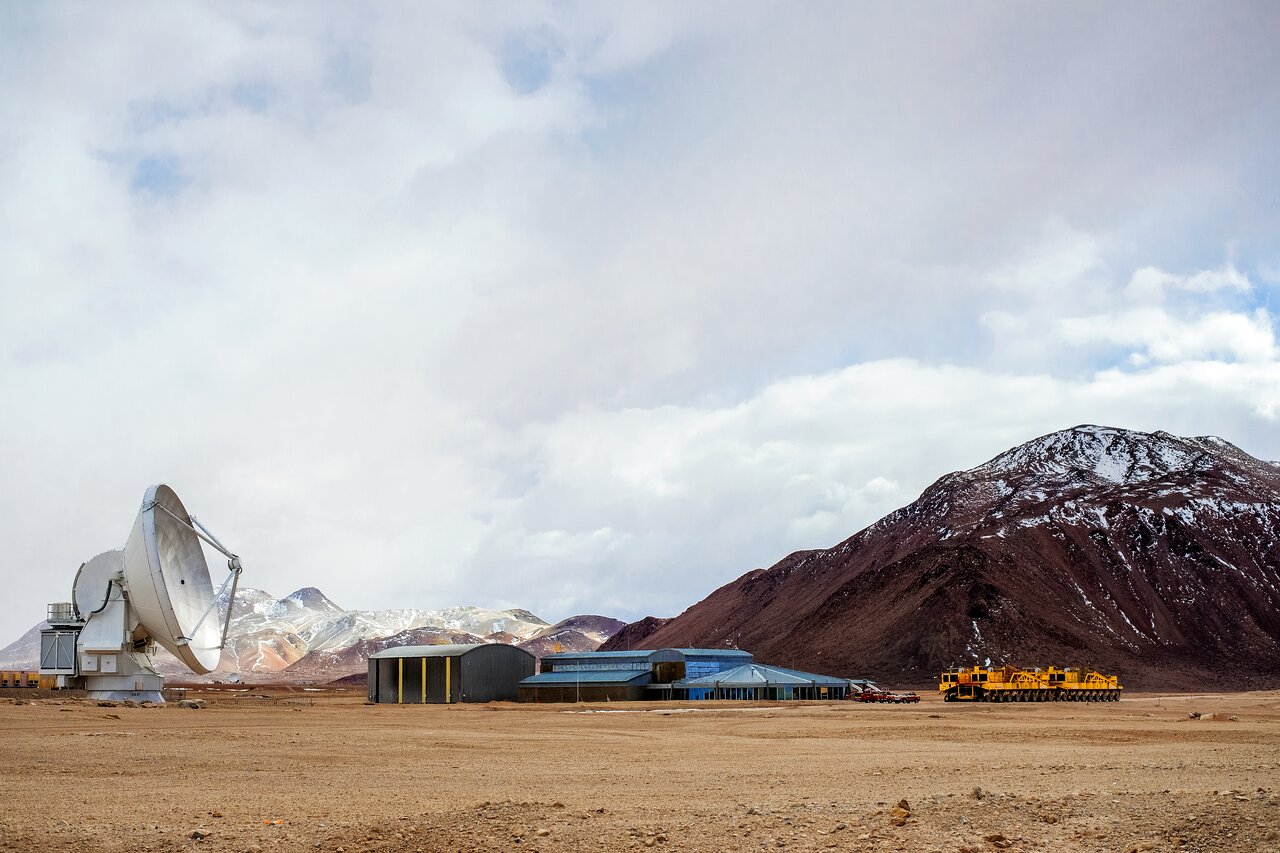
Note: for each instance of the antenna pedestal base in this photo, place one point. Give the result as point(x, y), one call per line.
point(139, 687)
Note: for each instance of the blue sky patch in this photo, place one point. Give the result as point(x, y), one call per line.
point(529, 59)
point(159, 176)
point(254, 97)
point(350, 75)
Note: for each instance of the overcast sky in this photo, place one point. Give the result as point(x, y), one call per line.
point(595, 308)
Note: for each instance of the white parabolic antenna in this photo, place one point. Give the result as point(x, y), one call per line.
point(168, 581)
point(156, 591)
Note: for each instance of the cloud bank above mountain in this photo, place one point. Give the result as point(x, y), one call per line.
point(591, 310)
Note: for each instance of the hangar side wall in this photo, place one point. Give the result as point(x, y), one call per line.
point(389, 684)
point(492, 673)
point(583, 693)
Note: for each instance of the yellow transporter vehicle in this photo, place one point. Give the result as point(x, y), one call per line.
point(19, 679)
point(1010, 684)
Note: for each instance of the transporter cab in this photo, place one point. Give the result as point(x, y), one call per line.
point(1010, 684)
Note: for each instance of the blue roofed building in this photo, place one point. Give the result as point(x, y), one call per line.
point(759, 682)
point(623, 675)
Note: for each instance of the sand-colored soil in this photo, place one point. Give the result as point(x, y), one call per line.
point(342, 776)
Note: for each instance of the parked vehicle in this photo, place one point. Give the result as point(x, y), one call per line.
point(1011, 684)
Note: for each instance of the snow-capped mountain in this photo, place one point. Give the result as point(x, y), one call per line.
point(269, 635)
point(1147, 553)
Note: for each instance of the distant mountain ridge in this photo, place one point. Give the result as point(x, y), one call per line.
point(307, 635)
point(1149, 554)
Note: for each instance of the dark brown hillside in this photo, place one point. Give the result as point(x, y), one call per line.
point(1151, 555)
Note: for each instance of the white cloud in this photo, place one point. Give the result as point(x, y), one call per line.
point(692, 287)
point(1150, 284)
point(730, 488)
point(1153, 335)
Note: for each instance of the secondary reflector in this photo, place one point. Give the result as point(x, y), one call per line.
point(168, 581)
point(92, 585)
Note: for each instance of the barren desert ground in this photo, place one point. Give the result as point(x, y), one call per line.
point(314, 771)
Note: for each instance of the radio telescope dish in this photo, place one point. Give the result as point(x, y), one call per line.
point(168, 581)
point(92, 586)
point(156, 591)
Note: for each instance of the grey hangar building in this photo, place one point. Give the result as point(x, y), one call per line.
point(446, 674)
point(423, 675)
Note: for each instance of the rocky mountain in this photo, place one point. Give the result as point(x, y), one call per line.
point(328, 664)
point(634, 635)
point(1150, 555)
point(24, 652)
point(305, 634)
point(575, 634)
point(270, 635)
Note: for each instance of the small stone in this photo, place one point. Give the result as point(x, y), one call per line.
point(543, 833)
point(107, 703)
point(198, 834)
point(841, 826)
point(977, 793)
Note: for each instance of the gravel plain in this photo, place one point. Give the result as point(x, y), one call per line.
point(276, 769)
